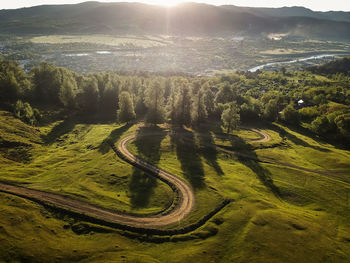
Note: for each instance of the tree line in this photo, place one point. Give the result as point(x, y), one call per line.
point(181, 100)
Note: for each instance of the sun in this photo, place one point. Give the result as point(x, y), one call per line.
point(168, 3)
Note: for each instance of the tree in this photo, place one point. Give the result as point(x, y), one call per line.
point(66, 93)
point(200, 112)
point(140, 106)
point(109, 100)
point(183, 105)
point(53, 85)
point(209, 100)
point(171, 106)
point(126, 111)
point(250, 110)
point(290, 115)
point(24, 112)
point(230, 116)
point(322, 126)
point(283, 70)
point(271, 110)
point(225, 94)
point(88, 99)
point(154, 98)
point(342, 122)
point(14, 82)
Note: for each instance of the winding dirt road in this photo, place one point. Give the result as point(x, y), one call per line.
point(180, 211)
point(264, 136)
point(183, 206)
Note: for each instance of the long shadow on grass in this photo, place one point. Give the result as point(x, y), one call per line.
point(285, 134)
point(248, 157)
point(60, 129)
point(209, 153)
point(189, 156)
point(105, 147)
point(141, 187)
point(263, 174)
point(147, 142)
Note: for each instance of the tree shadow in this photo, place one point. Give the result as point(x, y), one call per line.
point(141, 187)
point(251, 160)
point(189, 156)
point(105, 147)
point(206, 141)
point(247, 156)
point(285, 134)
point(60, 129)
point(148, 147)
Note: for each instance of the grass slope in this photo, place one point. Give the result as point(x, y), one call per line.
point(75, 161)
point(279, 214)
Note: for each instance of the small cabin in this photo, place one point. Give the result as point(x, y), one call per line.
point(300, 103)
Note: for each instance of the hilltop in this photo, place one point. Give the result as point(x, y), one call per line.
point(184, 19)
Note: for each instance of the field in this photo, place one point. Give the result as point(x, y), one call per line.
point(205, 56)
point(277, 213)
point(100, 40)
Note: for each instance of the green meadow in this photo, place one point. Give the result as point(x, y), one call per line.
point(276, 214)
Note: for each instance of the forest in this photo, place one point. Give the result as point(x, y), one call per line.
point(315, 100)
point(171, 167)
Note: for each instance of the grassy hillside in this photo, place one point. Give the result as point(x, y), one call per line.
point(306, 219)
point(73, 159)
point(184, 19)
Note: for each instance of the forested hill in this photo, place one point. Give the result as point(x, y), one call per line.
point(293, 11)
point(185, 19)
point(333, 67)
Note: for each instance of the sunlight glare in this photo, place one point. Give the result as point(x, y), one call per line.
point(168, 3)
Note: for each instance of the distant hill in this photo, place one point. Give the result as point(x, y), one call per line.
point(333, 67)
point(185, 19)
point(293, 11)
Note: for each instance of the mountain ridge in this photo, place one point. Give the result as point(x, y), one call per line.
point(183, 19)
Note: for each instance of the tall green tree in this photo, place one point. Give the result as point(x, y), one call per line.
point(290, 115)
point(225, 94)
point(14, 82)
point(199, 113)
point(53, 85)
point(126, 112)
point(171, 106)
point(230, 116)
point(154, 98)
point(209, 99)
point(88, 99)
point(183, 105)
point(109, 99)
point(271, 110)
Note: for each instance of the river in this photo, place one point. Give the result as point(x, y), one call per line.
point(294, 61)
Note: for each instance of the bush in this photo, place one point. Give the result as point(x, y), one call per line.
point(25, 112)
point(308, 113)
point(322, 126)
point(290, 115)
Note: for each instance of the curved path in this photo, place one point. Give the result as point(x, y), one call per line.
point(174, 215)
point(182, 208)
point(264, 136)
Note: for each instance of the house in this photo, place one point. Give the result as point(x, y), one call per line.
point(300, 103)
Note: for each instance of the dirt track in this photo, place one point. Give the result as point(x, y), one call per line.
point(180, 211)
point(183, 207)
point(265, 136)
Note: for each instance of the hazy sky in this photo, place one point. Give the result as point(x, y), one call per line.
point(317, 5)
